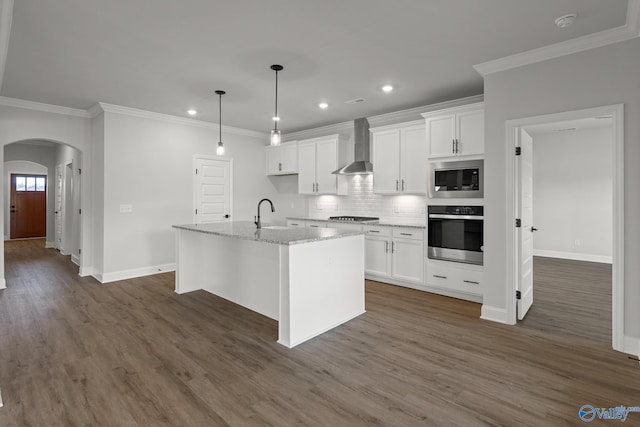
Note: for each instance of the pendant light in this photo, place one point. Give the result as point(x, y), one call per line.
point(220, 149)
point(276, 136)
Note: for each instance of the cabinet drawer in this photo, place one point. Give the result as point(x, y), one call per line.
point(344, 226)
point(459, 277)
point(372, 230)
point(316, 224)
point(408, 233)
point(295, 223)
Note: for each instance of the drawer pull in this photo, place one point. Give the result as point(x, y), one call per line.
point(471, 281)
point(295, 223)
point(439, 277)
point(314, 226)
point(406, 234)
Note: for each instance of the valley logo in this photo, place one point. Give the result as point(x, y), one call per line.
point(588, 413)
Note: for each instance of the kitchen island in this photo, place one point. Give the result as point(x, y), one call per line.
point(309, 280)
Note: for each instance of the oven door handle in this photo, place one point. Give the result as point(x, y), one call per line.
point(443, 216)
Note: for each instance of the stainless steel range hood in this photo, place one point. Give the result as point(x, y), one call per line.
point(362, 163)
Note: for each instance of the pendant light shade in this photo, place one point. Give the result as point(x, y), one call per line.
point(220, 149)
point(276, 136)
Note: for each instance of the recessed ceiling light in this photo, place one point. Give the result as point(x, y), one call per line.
point(191, 112)
point(323, 105)
point(566, 20)
point(387, 88)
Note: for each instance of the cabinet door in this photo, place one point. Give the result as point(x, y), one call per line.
point(289, 158)
point(441, 132)
point(407, 260)
point(470, 129)
point(326, 162)
point(376, 257)
point(274, 162)
point(386, 161)
point(307, 168)
point(413, 160)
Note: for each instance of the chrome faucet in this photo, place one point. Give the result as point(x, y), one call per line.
point(257, 218)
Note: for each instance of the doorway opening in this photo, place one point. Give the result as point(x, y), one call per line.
point(562, 253)
point(569, 180)
point(42, 195)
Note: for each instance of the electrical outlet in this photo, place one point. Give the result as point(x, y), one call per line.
point(126, 208)
point(576, 242)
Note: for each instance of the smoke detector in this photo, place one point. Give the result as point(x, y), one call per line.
point(566, 20)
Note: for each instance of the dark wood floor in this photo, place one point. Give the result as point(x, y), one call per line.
point(571, 299)
point(133, 353)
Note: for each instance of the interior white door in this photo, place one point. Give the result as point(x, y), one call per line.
point(58, 212)
point(213, 196)
point(525, 232)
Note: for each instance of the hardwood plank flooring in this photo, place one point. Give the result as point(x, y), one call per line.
point(571, 299)
point(74, 352)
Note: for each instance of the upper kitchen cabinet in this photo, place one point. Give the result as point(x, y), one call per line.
point(317, 158)
point(455, 131)
point(282, 159)
point(400, 159)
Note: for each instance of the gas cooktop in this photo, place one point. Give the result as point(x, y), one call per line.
point(353, 218)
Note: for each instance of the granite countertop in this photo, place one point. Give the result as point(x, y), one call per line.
point(279, 235)
point(377, 223)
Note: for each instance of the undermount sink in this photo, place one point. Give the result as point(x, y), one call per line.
point(276, 227)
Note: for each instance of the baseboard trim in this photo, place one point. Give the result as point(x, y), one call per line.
point(494, 314)
point(75, 259)
point(136, 272)
point(3, 283)
point(50, 245)
point(85, 271)
point(631, 345)
point(574, 256)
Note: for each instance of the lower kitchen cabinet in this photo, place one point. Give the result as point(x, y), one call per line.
point(394, 255)
point(456, 279)
point(296, 223)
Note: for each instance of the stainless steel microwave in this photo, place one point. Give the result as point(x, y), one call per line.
point(460, 179)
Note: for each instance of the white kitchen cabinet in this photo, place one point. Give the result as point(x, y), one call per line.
point(400, 159)
point(282, 159)
point(458, 277)
point(455, 131)
point(394, 253)
point(317, 158)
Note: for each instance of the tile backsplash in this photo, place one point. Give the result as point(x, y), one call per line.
point(361, 201)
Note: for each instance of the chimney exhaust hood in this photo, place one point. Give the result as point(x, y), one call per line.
point(362, 163)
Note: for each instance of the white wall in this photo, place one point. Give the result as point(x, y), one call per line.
point(148, 163)
point(45, 156)
point(603, 76)
point(572, 194)
point(16, 166)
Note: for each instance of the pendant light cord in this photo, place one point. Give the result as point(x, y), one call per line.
point(276, 120)
point(220, 115)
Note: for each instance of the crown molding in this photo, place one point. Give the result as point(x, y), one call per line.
point(110, 108)
point(6, 17)
point(412, 114)
point(337, 128)
point(39, 106)
point(590, 41)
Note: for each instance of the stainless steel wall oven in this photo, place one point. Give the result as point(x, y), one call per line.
point(456, 233)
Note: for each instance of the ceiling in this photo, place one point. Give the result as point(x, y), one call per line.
point(167, 56)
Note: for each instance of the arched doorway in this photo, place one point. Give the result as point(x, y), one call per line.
point(63, 199)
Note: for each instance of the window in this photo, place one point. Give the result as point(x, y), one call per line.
point(31, 183)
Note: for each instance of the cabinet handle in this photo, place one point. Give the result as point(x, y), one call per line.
point(439, 277)
point(295, 224)
point(397, 186)
point(453, 146)
point(280, 166)
point(406, 234)
point(316, 187)
point(314, 226)
point(374, 231)
point(386, 246)
point(471, 281)
point(393, 247)
point(457, 146)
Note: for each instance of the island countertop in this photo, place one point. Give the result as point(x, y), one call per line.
point(279, 235)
